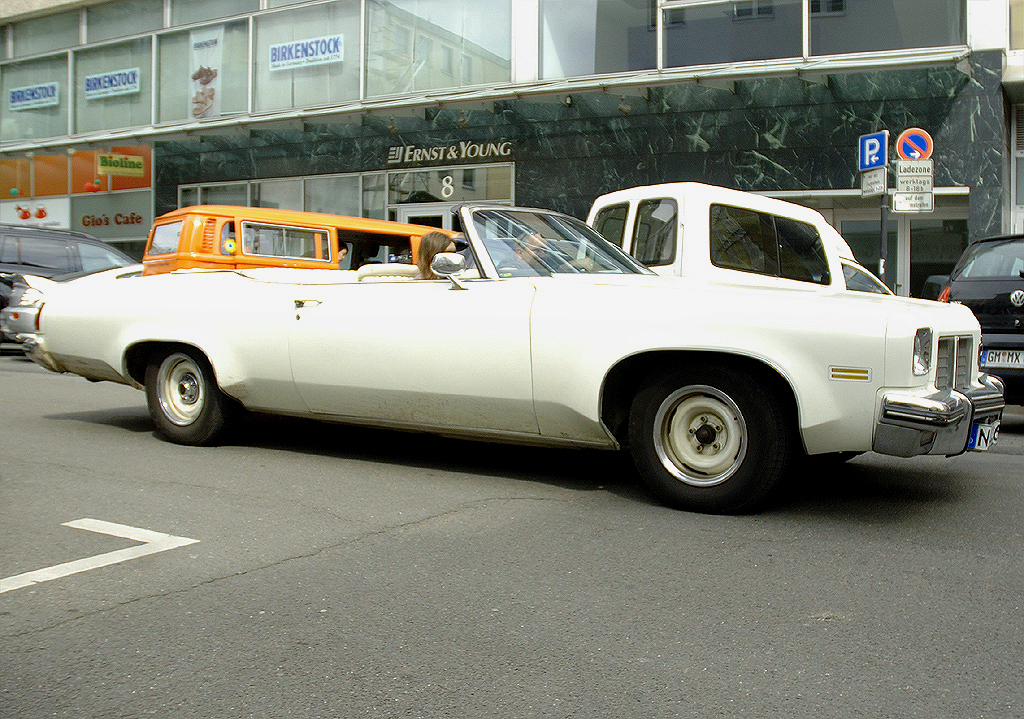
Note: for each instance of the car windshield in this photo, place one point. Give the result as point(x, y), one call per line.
point(527, 243)
point(1000, 259)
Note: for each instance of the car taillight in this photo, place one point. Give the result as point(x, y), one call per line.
point(39, 313)
point(944, 295)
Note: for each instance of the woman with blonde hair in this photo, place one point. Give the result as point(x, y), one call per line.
point(431, 244)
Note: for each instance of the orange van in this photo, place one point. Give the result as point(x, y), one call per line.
point(229, 237)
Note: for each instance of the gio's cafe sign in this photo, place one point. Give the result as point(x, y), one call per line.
point(406, 155)
point(121, 165)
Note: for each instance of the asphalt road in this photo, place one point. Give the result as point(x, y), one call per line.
point(345, 572)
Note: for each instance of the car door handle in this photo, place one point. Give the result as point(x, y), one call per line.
point(299, 304)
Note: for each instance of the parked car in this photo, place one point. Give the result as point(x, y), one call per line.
point(46, 252)
point(230, 237)
point(557, 338)
point(18, 321)
point(989, 278)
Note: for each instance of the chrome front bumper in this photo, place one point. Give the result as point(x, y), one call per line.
point(910, 425)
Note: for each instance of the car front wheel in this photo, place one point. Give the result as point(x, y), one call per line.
point(183, 397)
point(709, 439)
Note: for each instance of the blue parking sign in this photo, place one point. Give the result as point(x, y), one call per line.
point(873, 151)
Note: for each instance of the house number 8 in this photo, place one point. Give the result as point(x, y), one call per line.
point(447, 187)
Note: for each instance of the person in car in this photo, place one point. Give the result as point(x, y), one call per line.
point(430, 245)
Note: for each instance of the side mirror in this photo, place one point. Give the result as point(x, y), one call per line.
point(449, 264)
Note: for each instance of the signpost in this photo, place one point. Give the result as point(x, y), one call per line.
point(873, 161)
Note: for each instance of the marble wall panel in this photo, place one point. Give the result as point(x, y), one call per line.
point(761, 134)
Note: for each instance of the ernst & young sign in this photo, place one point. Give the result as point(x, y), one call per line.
point(412, 154)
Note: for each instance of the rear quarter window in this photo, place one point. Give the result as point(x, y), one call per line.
point(765, 244)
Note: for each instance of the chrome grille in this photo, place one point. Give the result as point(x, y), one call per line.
point(964, 361)
point(954, 362)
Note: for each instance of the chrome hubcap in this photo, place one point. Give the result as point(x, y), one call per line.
point(700, 435)
point(180, 389)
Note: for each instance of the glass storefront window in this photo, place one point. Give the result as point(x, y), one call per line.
point(337, 195)
point(278, 194)
point(411, 44)
point(375, 196)
point(586, 37)
point(113, 86)
point(50, 175)
point(203, 73)
point(45, 34)
point(842, 26)
point(41, 108)
point(1020, 180)
point(15, 177)
point(307, 57)
point(865, 239)
point(1017, 24)
point(188, 196)
point(237, 194)
point(493, 182)
point(935, 247)
point(733, 32)
point(107, 21)
point(186, 12)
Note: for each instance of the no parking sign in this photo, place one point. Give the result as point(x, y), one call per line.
point(914, 144)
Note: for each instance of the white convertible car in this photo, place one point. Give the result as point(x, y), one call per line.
point(544, 333)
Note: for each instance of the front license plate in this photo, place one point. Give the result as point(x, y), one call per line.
point(983, 436)
point(1008, 359)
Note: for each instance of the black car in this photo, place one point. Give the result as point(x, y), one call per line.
point(49, 252)
point(989, 278)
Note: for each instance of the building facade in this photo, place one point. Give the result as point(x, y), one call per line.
point(114, 112)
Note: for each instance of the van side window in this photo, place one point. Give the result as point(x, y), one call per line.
point(766, 244)
point(283, 241)
point(611, 222)
point(654, 236)
point(165, 239)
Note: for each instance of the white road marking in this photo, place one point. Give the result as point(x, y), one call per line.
point(153, 542)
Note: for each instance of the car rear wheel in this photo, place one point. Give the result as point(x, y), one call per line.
point(183, 397)
point(709, 439)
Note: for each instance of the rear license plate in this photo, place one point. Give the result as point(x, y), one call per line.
point(1008, 359)
point(983, 436)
